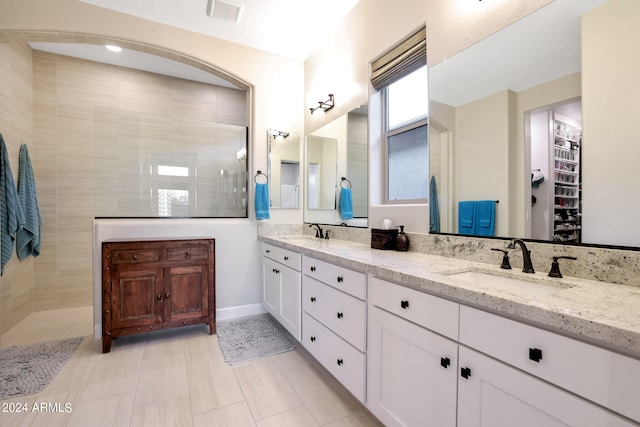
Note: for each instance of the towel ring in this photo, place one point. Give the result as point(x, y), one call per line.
point(260, 173)
point(342, 182)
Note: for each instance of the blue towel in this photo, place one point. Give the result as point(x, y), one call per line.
point(28, 237)
point(11, 219)
point(485, 218)
point(262, 201)
point(466, 216)
point(346, 203)
point(434, 210)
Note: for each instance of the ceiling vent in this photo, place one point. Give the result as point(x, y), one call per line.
point(225, 11)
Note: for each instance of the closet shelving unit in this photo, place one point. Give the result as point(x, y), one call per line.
point(567, 182)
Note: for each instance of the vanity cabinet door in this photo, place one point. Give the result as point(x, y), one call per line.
point(271, 286)
point(493, 394)
point(411, 377)
point(185, 296)
point(281, 287)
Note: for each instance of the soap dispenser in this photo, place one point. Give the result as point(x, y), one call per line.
point(402, 241)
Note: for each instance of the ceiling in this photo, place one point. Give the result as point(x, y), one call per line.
point(292, 28)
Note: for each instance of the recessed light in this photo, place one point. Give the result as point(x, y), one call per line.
point(113, 48)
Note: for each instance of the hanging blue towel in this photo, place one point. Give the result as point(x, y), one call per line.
point(434, 210)
point(28, 238)
point(346, 203)
point(485, 217)
point(11, 219)
point(262, 201)
point(466, 216)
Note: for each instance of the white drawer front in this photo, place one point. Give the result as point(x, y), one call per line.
point(349, 281)
point(343, 361)
point(599, 375)
point(342, 313)
point(283, 256)
point(436, 314)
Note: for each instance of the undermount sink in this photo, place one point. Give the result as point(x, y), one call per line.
point(495, 280)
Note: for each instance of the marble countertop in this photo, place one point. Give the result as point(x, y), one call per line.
point(601, 313)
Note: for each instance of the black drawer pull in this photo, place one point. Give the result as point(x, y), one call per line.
point(286, 258)
point(313, 299)
point(312, 339)
point(465, 373)
point(445, 362)
point(312, 268)
point(340, 279)
point(535, 354)
point(404, 304)
point(340, 362)
point(340, 315)
point(268, 251)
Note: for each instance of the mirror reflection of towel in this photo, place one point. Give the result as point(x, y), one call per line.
point(346, 203)
point(262, 201)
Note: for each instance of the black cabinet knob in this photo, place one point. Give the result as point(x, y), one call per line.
point(339, 362)
point(312, 269)
point(535, 354)
point(340, 315)
point(313, 339)
point(313, 299)
point(465, 373)
point(404, 304)
point(445, 362)
point(286, 258)
point(340, 279)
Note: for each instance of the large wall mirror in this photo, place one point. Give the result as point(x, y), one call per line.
point(283, 168)
point(336, 163)
point(533, 117)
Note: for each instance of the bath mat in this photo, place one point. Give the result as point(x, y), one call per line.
point(250, 338)
point(28, 369)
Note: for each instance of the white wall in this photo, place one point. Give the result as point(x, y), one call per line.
point(611, 112)
point(238, 272)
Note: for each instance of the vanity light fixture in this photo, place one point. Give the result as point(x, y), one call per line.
point(113, 48)
point(324, 105)
point(278, 134)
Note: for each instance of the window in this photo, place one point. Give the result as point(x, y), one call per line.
point(406, 152)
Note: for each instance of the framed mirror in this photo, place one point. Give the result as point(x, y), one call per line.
point(336, 162)
point(524, 118)
point(283, 169)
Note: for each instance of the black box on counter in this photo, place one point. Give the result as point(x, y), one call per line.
point(383, 239)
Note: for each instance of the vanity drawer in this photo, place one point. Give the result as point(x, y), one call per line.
point(436, 314)
point(283, 256)
point(599, 375)
point(342, 313)
point(349, 281)
point(188, 253)
point(134, 256)
point(341, 359)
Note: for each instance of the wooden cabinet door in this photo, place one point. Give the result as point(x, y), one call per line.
point(412, 373)
point(493, 394)
point(137, 297)
point(186, 293)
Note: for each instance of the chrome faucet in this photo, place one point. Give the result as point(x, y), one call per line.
point(319, 232)
point(527, 266)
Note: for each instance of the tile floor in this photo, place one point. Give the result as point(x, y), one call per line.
point(175, 378)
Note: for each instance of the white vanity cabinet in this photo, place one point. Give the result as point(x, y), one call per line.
point(412, 356)
point(281, 286)
point(531, 377)
point(334, 321)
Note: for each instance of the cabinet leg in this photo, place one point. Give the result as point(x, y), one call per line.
point(106, 344)
point(212, 328)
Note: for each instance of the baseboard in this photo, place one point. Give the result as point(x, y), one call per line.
point(239, 311)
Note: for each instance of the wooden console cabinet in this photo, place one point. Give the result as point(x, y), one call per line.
point(156, 284)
